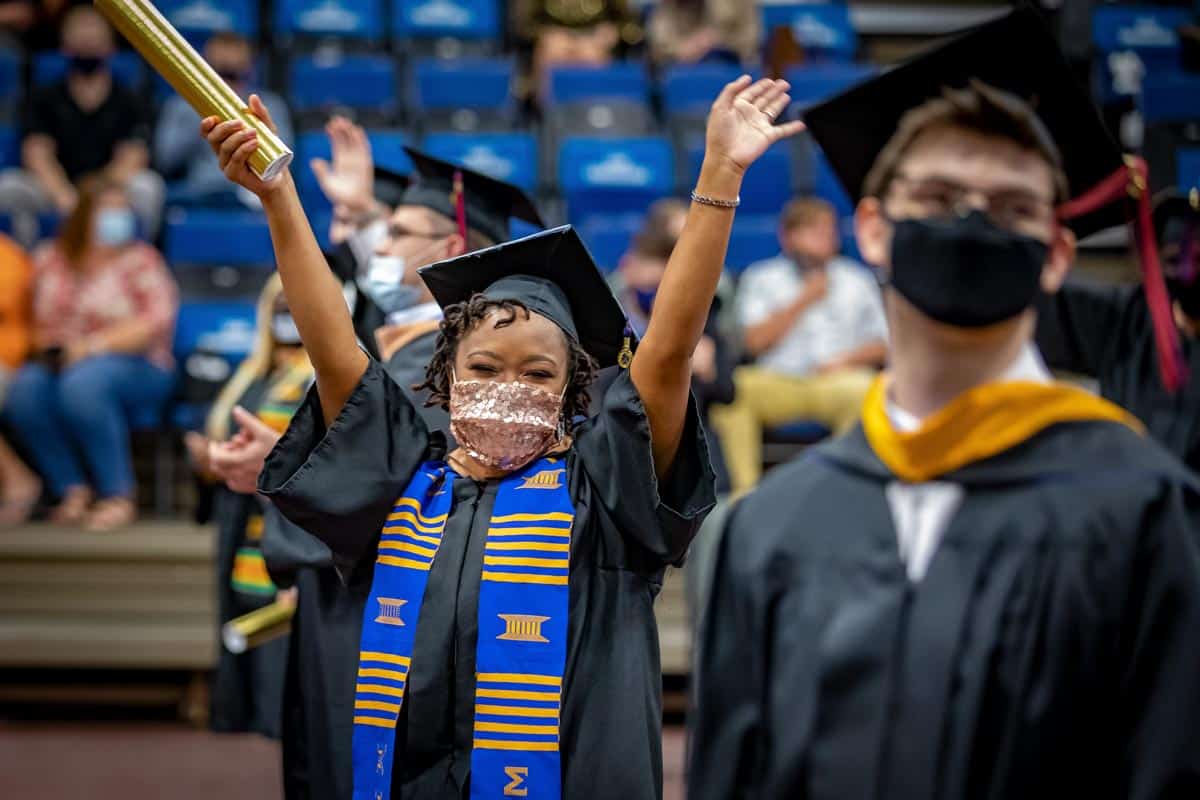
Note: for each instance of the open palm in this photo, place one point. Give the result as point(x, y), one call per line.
point(350, 179)
point(741, 124)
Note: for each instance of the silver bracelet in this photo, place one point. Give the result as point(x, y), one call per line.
point(713, 201)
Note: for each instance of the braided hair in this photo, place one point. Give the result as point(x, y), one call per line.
point(461, 318)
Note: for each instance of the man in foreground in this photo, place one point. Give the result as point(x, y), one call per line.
point(991, 589)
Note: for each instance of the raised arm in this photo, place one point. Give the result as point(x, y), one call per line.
point(313, 293)
point(740, 129)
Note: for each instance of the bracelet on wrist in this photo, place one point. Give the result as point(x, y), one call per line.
point(715, 201)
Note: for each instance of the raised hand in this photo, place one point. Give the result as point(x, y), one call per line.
point(350, 179)
point(234, 142)
point(741, 123)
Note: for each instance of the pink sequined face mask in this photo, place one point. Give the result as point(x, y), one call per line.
point(504, 425)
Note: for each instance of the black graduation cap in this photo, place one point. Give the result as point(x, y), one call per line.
point(1177, 228)
point(390, 186)
point(552, 274)
point(1016, 54)
point(489, 203)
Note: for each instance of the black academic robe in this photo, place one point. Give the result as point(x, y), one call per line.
point(247, 688)
point(340, 485)
point(319, 691)
point(1106, 332)
point(1050, 651)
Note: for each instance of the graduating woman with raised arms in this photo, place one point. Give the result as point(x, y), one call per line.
point(509, 645)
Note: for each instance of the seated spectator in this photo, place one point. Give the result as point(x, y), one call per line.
point(83, 124)
point(104, 314)
point(180, 153)
point(559, 33)
point(814, 323)
point(692, 31)
point(20, 489)
point(636, 283)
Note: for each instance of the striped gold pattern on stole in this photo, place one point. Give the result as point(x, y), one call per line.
point(408, 544)
point(521, 653)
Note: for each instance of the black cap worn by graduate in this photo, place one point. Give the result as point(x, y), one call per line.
point(1016, 54)
point(390, 186)
point(553, 275)
point(471, 198)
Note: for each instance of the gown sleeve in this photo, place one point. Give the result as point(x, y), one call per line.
point(614, 450)
point(1077, 323)
point(287, 548)
point(728, 757)
point(1160, 684)
point(340, 484)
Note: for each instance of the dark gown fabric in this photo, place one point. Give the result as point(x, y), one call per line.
point(318, 696)
point(340, 485)
point(1106, 332)
point(247, 688)
point(407, 368)
point(1050, 651)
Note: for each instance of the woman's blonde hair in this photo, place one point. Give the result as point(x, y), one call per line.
point(256, 366)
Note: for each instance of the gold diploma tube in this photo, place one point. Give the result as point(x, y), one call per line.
point(258, 627)
point(181, 66)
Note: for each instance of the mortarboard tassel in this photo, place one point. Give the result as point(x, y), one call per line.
point(460, 206)
point(1132, 179)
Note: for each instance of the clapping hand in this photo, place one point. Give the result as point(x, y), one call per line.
point(239, 461)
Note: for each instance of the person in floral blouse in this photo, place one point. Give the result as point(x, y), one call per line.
point(104, 316)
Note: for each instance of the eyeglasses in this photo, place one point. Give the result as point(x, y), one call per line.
point(1012, 209)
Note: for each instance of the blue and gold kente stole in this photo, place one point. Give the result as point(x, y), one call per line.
point(522, 648)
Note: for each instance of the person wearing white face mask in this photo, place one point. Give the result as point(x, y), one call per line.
point(104, 316)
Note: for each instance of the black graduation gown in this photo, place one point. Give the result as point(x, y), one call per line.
point(1050, 651)
point(319, 691)
point(340, 485)
point(1106, 332)
point(407, 366)
point(247, 688)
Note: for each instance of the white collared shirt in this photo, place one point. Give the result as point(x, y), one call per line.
point(921, 512)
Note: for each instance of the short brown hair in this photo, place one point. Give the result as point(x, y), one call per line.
point(805, 211)
point(76, 234)
point(980, 108)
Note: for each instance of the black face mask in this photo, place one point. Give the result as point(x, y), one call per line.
point(86, 65)
point(965, 271)
point(234, 77)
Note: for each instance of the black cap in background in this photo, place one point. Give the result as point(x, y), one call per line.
point(490, 203)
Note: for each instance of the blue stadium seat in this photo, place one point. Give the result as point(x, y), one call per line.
point(690, 89)
point(613, 176)
point(1146, 33)
point(210, 236)
point(754, 237)
point(800, 433)
point(621, 81)
point(128, 69)
point(344, 19)
point(458, 19)
point(1187, 168)
point(387, 148)
point(475, 83)
point(10, 146)
point(10, 75)
point(824, 30)
point(608, 238)
point(198, 19)
point(767, 185)
point(1170, 97)
point(365, 82)
point(813, 83)
point(510, 157)
point(225, 326)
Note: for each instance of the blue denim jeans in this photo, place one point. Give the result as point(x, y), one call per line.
point(76, 424)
